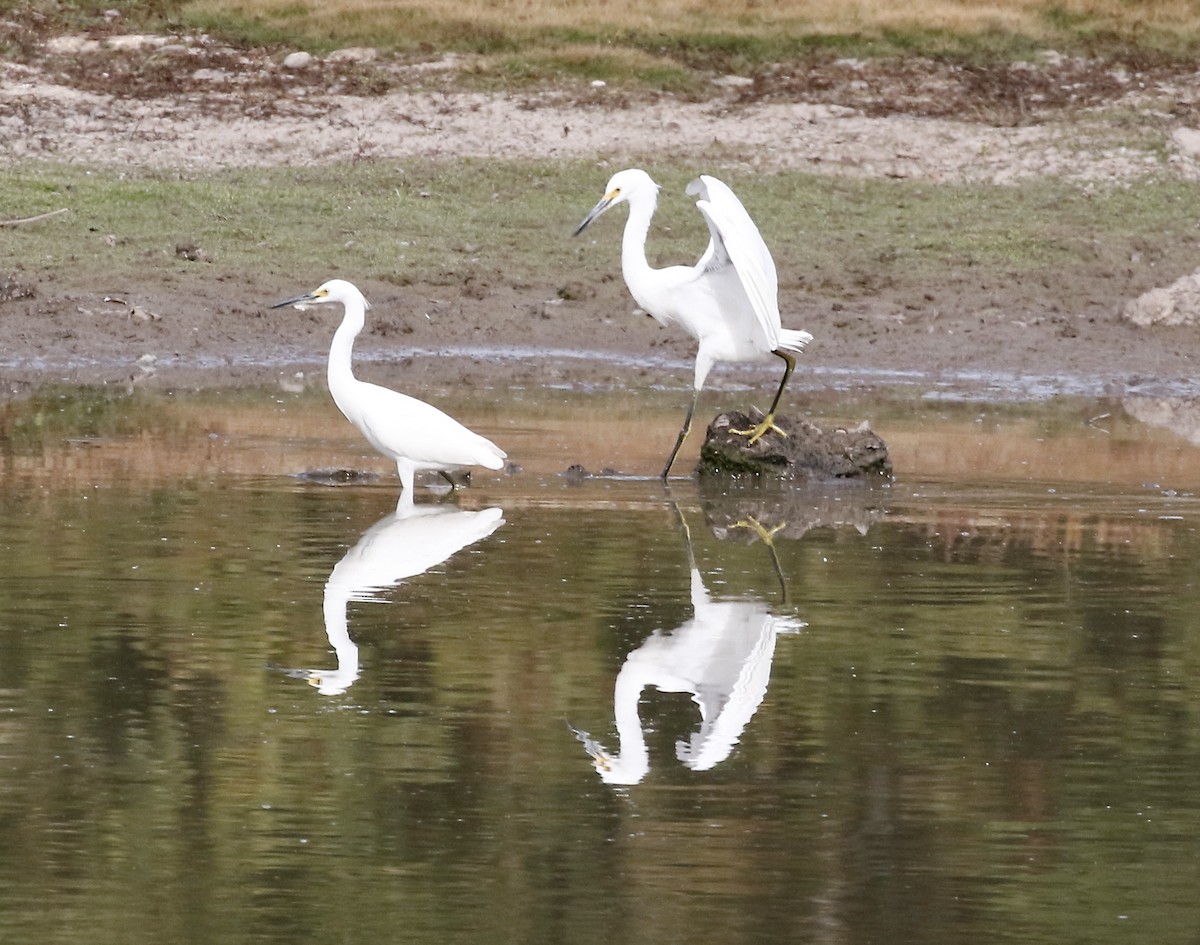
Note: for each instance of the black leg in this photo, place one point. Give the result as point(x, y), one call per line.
point(768, 422)
point(683, 432)
point(787, 373)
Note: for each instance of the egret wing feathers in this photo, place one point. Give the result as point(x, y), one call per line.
point(427, 435)
point(740, 241)
point(718, 194)
point(739, 247)
point(715, 255)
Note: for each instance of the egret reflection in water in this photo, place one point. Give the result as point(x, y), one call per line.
point(400, 545)
point(722, 656)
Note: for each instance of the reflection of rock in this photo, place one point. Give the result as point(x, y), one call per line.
point(1176, 304)
point(807, 452)
point(791, 512)
point(1177, 414)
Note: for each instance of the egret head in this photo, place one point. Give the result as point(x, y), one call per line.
point(623, 185)
point(335, 290)
point(613, 769)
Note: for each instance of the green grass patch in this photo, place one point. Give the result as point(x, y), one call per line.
point(431, 221)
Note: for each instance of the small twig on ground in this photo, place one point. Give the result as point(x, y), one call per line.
point(40, 216)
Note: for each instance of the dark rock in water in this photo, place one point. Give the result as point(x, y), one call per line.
point(806, 453)
point(576, 473)
point(337, 477)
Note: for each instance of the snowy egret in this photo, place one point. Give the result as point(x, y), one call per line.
point(728, 301)
point(415, 434)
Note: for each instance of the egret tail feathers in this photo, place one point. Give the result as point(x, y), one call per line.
point(794, 341)
point(495, 461)
point(492, 457)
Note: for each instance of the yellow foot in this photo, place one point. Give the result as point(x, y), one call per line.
point(767, 535)
point(756, 433)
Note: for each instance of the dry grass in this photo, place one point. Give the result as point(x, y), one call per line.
point(677, 45)
point(518, 20)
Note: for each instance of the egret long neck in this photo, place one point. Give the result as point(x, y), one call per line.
point(342, 349)
point(337, 596)
point(633, 753)
point(633, 242)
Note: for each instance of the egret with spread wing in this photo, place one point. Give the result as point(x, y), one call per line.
point(416, 435)
point(728, 301)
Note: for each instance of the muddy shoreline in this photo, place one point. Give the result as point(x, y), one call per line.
point(1004, 340)
point(195, 339)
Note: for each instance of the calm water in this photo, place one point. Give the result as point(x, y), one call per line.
point(239, 706)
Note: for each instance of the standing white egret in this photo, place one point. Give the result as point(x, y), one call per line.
point(415, 434)
point(728, 301)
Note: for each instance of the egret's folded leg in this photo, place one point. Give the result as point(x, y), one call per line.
point(768, 422)
point(683, 432)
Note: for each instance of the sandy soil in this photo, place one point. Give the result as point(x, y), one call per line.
point(190, 104)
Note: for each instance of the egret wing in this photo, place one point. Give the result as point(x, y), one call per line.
point(714, 256)
point(736, 241)
point(424, 434)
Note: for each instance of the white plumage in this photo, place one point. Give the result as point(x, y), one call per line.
point(401, 545)
point(722, 656)
point(416, 435)
point(728, 301)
